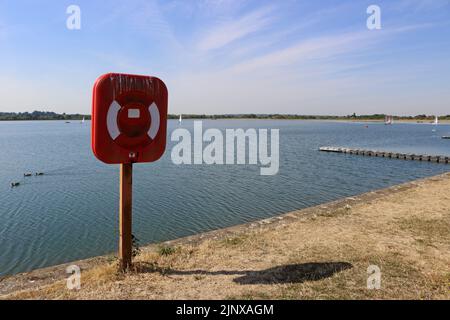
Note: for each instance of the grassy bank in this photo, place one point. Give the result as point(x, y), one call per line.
point(316, 253)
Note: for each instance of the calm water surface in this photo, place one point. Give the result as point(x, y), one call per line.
point(72, 212)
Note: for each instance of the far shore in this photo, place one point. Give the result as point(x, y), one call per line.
point(323, 252)
point(413, 121)
point(50, 115)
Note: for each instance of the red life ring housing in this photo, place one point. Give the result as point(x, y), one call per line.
point(129, 119)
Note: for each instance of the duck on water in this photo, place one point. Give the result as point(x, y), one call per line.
point(27, 174)
point(30, 174)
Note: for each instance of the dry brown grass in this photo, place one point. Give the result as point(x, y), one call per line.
point(322, 256)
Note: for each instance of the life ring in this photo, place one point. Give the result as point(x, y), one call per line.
point(133, 124)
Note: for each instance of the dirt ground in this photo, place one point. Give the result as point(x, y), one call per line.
point(317, 253)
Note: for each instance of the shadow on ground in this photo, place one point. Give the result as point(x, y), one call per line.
point(293, 273)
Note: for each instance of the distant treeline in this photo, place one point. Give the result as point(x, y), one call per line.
point(46, 115)
point(40, 115)
point(422, 117)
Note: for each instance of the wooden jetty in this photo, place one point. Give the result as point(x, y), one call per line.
point(388, 154)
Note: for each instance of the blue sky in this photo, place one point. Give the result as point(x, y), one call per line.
point(232, 56)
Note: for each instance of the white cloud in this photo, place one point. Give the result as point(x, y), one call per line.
point(321, 48)
point(231, 31)
point(313, 48)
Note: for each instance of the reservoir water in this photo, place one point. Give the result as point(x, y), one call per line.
point(71, 212)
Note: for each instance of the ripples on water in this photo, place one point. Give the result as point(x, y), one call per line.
point(72, 212)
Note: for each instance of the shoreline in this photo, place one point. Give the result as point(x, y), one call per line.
point(40, 278)
point(377, 121)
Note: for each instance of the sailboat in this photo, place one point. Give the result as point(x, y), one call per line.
point(436, 123)
point(181, 119)
point(388, 120)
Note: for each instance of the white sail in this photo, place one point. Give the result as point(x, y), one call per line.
point(181, 119)
point(435, 123)
point(388, 120)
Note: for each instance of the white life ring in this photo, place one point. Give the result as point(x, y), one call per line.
point(113, 127)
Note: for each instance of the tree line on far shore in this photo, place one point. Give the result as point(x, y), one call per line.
point(47, 115)
point(380, 117)
point(40, 115)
